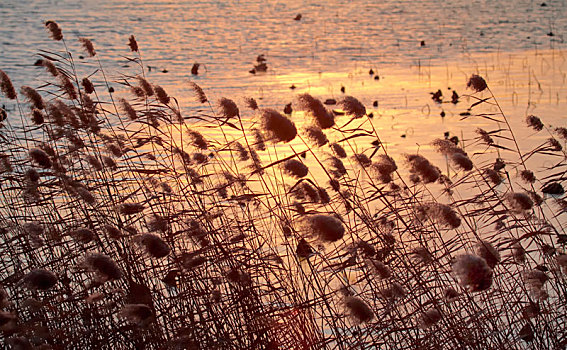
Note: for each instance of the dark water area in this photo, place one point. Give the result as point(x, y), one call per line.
point(227, 36)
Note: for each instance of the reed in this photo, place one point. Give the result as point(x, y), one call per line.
point(126, 223)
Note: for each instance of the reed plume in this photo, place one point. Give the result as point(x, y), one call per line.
point(277, 127)
point(352, 106)
point(132, 43)
point(40, 279)
point(88, 46)
point(326, 228)
point(477, 83)
point(199, 93)
point(472, 272)
point(6, 86)
point(54, 30)
point(228, 108)
point(358, 309)
point(323, 118)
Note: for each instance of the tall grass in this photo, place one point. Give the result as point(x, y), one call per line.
point(129, 221)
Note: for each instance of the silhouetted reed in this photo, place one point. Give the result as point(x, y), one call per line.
point(132, 220)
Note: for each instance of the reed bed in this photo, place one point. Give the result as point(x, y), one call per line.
point(129, 221)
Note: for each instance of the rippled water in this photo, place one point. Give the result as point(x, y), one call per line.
point(226, 35)
point(515, 44)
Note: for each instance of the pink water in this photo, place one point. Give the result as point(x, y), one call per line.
point(517, 46)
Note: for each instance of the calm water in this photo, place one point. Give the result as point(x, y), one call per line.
point(517, 45)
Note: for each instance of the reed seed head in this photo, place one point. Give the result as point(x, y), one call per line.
point(316, 135)
point(421, 167)
point(493, 176)
point(528, 176)
point(519, 202)
point(381, 270)
point(197, 139)
point(338, 150)
point(362, 159)
point(534, 122)
point(477, 83)
point(88, 46)
point(50, 67)
point(33, 97)
point(67, 86)
point(146, 86)
point(429, 318)
point(562, 133)
point(40, 279)
point(561, 260)
point(130, 208)
point(518, 253)
point(54, 30)
point(128, 109)
point(554, 144)
point(259, 142)
point(358, 309)
point(6, 86)
point(295, 168)
point(535, 280)
point(37, 117)
point(199, 93)
point(323, 118)
point(41, 158)
point(487, 251)
point(394, 291)
point(473, 272)
point(161, 95)
point(87, 85)
point(251, 103)
point(153, 244)
point(326, 228)
point(104, 266)
point(277, 127)
point(383, 167)
point(352, 106)
point(132, 43)
point(241, 152)
point(83, 235)
point(139, 314)
point(228, 108)
point(485, 136)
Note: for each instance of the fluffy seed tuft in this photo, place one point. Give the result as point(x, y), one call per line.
point(6, 86)
point(358, 309)
point(130, 208)
point(153, 244)
point(295, 168)
point(138, 314)
point(487, 251)
point(326, 228)
point(199, 93)
point(277, 127)
point(352, 106)
point(477, 83)
point(323, 118)
point(534, 122)
point(472, 272)
point(40, 279)
point(133, 44)
point(40, 158)
point(519, 202)
point(104, 266)
point(228, 108)
point(88, 46)
point(422, 168)
point(54, 30)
